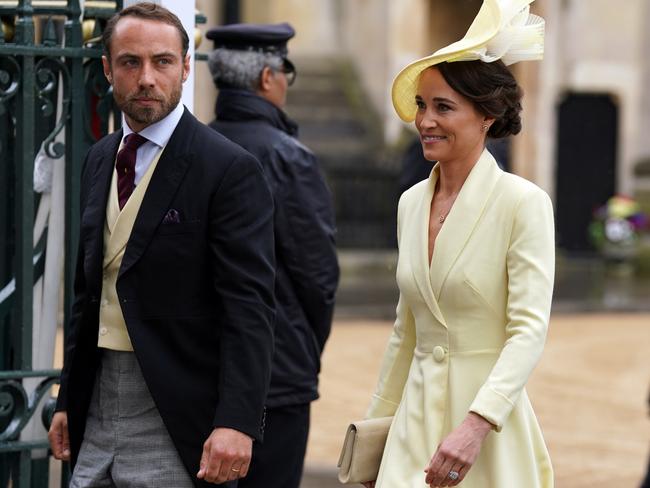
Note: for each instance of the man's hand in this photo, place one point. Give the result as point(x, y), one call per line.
point(226, 456)
point(58, 436)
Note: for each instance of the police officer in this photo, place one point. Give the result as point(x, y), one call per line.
point(252, 72)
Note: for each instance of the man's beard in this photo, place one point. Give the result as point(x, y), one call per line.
point(149, 115)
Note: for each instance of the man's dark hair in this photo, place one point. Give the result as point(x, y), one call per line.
point(492, 89)
point(147, 11)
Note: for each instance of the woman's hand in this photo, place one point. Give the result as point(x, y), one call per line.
point(369, 484)
point(457, 452)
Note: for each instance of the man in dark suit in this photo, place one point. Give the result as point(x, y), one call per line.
point(168, 358)
point(251, 69)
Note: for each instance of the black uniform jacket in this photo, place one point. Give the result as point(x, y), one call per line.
point(196, 293)
point(307, 267)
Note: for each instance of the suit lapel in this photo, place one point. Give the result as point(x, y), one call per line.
point(420, 258)
point(169, 173)
point(462, 218)
point(94, 214)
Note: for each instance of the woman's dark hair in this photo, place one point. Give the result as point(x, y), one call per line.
point(147, 11)
point(493, 90)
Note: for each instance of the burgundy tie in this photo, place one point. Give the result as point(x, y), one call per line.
point(125, 166)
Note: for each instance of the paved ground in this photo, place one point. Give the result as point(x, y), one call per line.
point(589, 391)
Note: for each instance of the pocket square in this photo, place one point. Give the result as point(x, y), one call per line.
point(172, 217)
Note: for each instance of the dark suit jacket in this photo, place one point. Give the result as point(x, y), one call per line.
point(196, 294)
point(307, 270)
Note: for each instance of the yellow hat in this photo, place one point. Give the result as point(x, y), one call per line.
point(502, 29)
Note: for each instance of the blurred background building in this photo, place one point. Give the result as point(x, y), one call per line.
point(585, 105)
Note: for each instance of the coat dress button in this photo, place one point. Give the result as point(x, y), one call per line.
point(438, 354)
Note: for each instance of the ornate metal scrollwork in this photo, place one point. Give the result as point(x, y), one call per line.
point(10, 76)
point(47, 80)
point(13, 405)
point(99, 99)
point(17, 408)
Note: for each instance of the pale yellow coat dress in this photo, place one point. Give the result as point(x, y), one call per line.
point(469, 330)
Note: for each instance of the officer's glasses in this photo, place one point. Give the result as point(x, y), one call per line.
point(289, 71)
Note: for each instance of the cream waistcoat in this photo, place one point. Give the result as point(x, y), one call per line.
point(117, 231)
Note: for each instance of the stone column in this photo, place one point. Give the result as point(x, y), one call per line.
point(643, 142)
point(205, 92)
point(534, 150)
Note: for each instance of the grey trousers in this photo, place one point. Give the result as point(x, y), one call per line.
point(126, 444)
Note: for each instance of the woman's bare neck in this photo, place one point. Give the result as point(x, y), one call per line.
point(453, 173)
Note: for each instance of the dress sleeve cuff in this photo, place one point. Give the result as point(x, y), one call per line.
point(492, 406)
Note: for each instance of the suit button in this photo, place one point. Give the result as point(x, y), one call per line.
point(438, 353)
point(103, 331)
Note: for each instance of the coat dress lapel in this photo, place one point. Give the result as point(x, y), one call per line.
point(169, 173)
point(462, 219)
point(420, 256)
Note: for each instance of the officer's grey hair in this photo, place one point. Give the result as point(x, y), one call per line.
point(241, 69)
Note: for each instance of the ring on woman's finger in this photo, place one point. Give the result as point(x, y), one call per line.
point(453, 475)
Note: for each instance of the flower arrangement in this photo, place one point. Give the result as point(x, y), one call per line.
point(617, 227)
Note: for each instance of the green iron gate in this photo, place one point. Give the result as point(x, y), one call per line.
point(51, 85)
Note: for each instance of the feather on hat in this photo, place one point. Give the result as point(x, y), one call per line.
point(502, 29)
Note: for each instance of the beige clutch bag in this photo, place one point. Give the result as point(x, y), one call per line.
point(362, 450)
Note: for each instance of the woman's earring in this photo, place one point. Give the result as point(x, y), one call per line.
point(485, 127)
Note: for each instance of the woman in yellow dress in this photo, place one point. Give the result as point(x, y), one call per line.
point(475, 273)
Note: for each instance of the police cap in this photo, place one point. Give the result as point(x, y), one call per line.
point(266, 38)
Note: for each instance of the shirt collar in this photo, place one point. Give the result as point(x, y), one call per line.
point(160, 132)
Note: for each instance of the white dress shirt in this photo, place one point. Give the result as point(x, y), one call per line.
point(158, 135)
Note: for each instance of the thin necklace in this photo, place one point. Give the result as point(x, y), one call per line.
point(443, 216)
